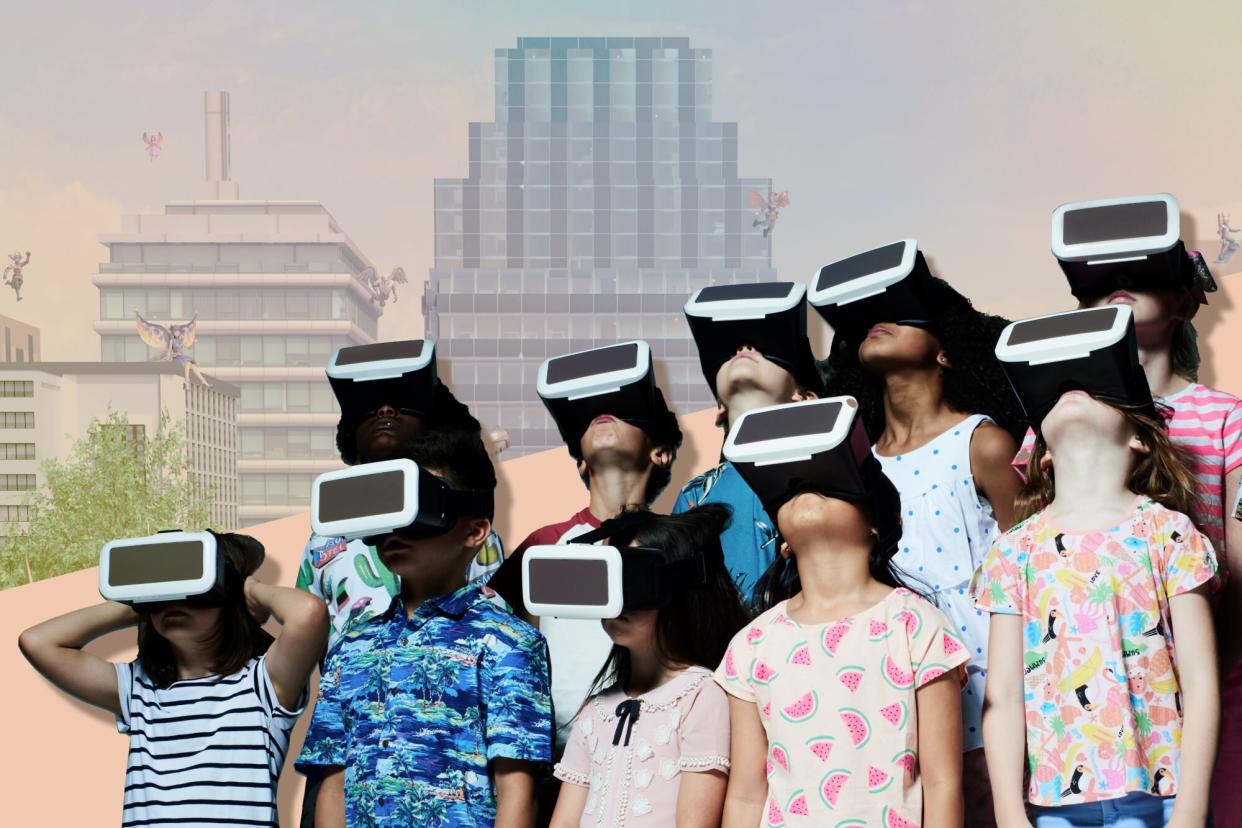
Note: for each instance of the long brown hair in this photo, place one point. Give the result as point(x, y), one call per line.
point(1162, 474)
point(237, 637)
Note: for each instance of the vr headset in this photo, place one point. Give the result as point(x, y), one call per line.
point(373, 499)
point(816, 445)
point(168, 567)
point(401, 374)
point(616, 380)
point(1118, 243)
point(1093, 350)
point(768, 316)
point(581, 580)
point(887, 284)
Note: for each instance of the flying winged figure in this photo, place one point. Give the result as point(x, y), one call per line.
point(1228, 240)
point(173, 342)
point(383, 287)
point(155, 143)
point(767, 210)
point(13, 273)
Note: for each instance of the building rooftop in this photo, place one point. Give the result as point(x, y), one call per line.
point(116, 368)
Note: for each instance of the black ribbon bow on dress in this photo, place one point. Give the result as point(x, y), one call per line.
point(627, 715)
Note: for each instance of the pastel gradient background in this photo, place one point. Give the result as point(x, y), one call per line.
point(962, 124)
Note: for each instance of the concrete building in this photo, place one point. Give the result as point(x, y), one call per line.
point(21, 341)
point(46, 407)
point(601, 196)
point(275, 288)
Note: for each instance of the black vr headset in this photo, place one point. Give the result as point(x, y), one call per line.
point(816, 445)
point(373, 499)
point(616, 380)
point(1118, 243)
point(401, 374)
point(768, 316)
point(582, 580)
point(1093, 350)
point(169, 567)
point(887, 284)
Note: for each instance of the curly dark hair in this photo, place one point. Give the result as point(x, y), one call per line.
point(975, 384)
point(450, 413)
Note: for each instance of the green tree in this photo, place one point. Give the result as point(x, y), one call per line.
point(117, 482)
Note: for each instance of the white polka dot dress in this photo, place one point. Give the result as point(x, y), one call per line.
point(947, 530)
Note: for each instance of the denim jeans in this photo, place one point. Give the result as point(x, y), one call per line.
point(1134, 810)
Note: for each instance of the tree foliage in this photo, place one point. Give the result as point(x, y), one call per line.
point(116, 483)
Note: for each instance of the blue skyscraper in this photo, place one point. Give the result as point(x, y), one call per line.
point(601, 196)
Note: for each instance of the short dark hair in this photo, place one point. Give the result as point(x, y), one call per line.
point(458, 455)
point(238, 637)
point(449, 412)
point(697, 625)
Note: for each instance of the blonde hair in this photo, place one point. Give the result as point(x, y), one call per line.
point(1163, 473)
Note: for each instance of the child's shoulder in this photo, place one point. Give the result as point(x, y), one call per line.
point(1198, 395)
point(1020, 529)
point(502, 624)
point(912, 611)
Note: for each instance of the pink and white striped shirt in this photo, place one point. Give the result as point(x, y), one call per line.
point(1208, 424)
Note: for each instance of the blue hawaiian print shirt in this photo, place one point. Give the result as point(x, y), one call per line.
point(749, 542)
point(414, 709)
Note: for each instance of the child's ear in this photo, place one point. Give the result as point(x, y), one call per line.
point(582, 468)
point(784, 551)
point(722, 415)
point(662, 456)
point(1138, 445)
point(802, 394)
point(479, 529)
point(1045, 462)
point(942, 359)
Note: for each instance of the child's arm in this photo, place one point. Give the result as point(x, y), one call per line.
point(1196, 668)
point(940, 750)
point(303, 635)
point(991, 452)
point(748, 752)
point(515, 793)
point(570, 803)
point(54, 648)
point(1004, 719)
point(700, 799)
point(330, 806)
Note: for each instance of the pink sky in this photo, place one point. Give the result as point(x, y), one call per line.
point(962, 125)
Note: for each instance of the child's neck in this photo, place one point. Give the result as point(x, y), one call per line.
point(613, 489)
point(914, 407)
point(194, 663)
point(1157, 361)
point(836, 582)
point(648, 671)
point(1092, 481)
point(418, 587)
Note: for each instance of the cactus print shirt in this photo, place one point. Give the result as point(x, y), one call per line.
point(1103, 706)
point(837, 702)
point(415, 708)
point(349, 577)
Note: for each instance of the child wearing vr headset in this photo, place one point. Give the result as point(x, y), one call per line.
point(754, 351)
point(624, 439)
point(381, 416)
point(1089, 592)
point(918, 358)
point(844, 703)
point(211, 699)
point(438, 710)
point(1128, 251)
point(652, 741)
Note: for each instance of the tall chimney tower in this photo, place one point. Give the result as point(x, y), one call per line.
point(216, 118)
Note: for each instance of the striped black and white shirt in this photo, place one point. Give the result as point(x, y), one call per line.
point(205, 752)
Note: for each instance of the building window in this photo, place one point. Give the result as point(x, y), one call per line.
point(17, 482)
point(15, 514)
point(17, 419)
point(17, 451)
point(16, 388)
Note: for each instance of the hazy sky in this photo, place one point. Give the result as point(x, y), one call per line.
point(961, 124)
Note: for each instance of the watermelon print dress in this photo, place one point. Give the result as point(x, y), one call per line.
point(837, 701)
point(1103, 704)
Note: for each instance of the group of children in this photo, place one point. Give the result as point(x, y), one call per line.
point(967, 633)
